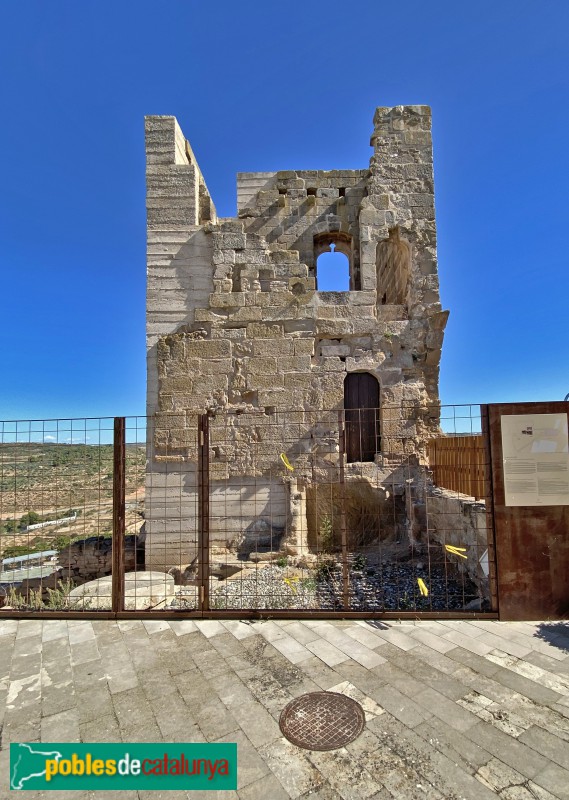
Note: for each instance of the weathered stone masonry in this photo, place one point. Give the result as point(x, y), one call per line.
point(235, 320)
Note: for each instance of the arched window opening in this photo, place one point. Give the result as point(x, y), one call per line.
point(361, 404)
point(333, 271)
point(334, 260)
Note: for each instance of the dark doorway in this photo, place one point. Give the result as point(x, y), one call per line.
point(361, 404)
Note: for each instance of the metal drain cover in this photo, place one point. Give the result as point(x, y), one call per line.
point(322, 720)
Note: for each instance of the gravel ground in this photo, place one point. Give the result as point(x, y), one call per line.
point(388, 587)
point(395, 587)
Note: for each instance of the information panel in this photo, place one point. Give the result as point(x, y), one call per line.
point(536, 459)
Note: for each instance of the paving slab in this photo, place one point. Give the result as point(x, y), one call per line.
point(508, 749)
point(460, 710)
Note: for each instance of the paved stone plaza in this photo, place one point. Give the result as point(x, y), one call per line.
point(454, 709)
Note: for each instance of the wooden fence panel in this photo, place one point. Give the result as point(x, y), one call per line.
point(458, 463)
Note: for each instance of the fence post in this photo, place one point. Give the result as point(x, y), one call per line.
point(343, 531)
point(119, 451)
point(489, 502)
point(203, 510)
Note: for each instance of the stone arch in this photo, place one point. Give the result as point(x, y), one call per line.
point(341, 242)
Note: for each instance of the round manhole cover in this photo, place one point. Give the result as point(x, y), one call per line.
point(322, 720)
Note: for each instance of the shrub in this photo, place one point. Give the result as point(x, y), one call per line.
point(326, 533)
point(325, 570)
point(58, 599)
point(359, 562)
point(31, 518)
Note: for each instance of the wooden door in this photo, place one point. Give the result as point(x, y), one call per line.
point(361, 404)
point(532, 542)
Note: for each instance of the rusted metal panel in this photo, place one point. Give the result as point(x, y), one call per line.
point(532, 543)
point(119, 515)
point(249, 614)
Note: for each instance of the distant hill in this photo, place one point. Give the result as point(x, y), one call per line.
point(45, 481)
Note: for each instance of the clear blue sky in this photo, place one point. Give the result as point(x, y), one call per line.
point(265, 86)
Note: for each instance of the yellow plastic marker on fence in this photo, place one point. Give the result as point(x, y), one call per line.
point(422, 587)
point(291, 582)
point(286, 462)
point(455, 550)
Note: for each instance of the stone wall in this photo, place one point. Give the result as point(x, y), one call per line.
point(236, 324)
point(461, 521)
point(83, 561)
point(91, 558)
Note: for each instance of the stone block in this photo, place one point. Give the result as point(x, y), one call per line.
point(229, 333)
point(207, 348)
point(363, 326)
point(258, 258)
point(326, 365)
point(264, 381)
point(215, 366)
point(227, 300)
point(276, 398)
point(300, 285)
point(423, 213)
point(212, 383)
point(179, 402)
point(279, 311)
point(294, 364)
point(335, 349)
point(294, 380)
point(223, 257)
point(434, 340)
point(417, 138)
point(332, 399)
point(234, 241)
point(174, 385)
point(169, 421)
point(204, 315)
point(303, 347)
point(263, 366)
point(422, 199)
point(261, 331)
point(362, 298)
point(335, 328)
point(271, 347)
point(245, 314)
point(257, 298)
point(183, 437)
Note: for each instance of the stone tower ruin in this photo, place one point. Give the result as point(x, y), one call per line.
point(237, 326)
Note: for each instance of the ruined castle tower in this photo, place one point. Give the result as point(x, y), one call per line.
point(235, 320)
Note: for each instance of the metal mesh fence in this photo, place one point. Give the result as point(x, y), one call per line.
point(292, 512)
point(305, 516)
point(56, 509)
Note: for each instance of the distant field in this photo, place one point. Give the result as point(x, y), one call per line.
point(40, 482)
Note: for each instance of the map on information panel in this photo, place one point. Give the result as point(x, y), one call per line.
point(535, 453)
